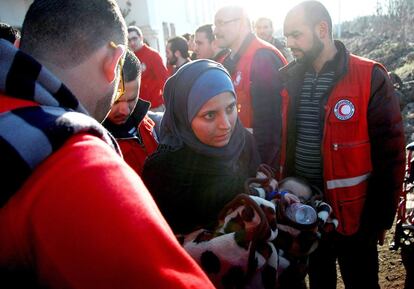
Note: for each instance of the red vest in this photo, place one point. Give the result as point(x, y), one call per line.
point(241, 79)
point(346, 147)
point(135, 153)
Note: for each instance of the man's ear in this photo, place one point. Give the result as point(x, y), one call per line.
point(177, 54)
point(323, 29)
point(114, 55)
point(17, 43)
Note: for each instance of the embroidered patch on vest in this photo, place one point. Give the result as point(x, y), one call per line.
point(344, 109)
point(237, 79)
point(143, 67)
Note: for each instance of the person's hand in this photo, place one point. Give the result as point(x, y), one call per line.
point(381, 237)
point(290, 198)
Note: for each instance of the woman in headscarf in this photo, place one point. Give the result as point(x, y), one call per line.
point(205, 154)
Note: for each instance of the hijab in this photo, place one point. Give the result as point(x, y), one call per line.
point(185, 93)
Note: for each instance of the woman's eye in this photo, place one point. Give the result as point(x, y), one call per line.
point(231, 108)
point(209, 115)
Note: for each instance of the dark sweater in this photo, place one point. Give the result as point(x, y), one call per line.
point(190, 189)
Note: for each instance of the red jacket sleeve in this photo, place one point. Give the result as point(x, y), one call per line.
point(134, 152)
point(84, 219)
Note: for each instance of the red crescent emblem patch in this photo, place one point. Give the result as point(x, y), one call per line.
point(344, 109)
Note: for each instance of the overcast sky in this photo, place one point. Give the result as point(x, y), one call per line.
point(277, 9)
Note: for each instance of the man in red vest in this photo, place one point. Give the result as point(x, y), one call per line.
point(345, 136)
point(154, 72)
point(254, 67)
point(128, 121)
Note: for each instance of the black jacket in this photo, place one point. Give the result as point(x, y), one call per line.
point(190, 188)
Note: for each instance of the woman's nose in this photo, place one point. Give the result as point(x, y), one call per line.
point(225, 122)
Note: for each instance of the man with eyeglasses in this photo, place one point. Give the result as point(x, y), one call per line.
point(254, 66)
point(73, 214)
point(154, 72)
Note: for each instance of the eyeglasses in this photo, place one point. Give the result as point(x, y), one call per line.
point(221, 23)
point(134, 38)
point(121, 85)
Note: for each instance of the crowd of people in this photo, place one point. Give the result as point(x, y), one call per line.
point(110, 158)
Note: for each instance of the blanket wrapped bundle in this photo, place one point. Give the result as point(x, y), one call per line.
point(239, 253)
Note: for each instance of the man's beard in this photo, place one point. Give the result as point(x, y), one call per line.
point(172, 60)
point(310, 56)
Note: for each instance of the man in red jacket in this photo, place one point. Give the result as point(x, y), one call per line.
point(73, 214)
point(128, 121)
point(154, 72)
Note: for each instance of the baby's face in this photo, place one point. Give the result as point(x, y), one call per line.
point(302, 191)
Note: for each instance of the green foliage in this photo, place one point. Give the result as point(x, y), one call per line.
point(406, 70)
point(393, 20)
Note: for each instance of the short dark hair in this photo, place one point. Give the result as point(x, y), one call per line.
point(187, 36)
point(266, 20)
point(132, 66)
point(66, 32)
point(8, 32)
point(135, 29)
point(208, 30)
point(316, 12)
point(179, 43)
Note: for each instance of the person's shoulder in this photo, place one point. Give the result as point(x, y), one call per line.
point(85, 165)
point(84, 153)
point(164, 164)
point(163, 156)
point(150, 50)
point(250, 141)
point(378, 70)
point(166, 157)
point(248, 135)
point(268, 55)
point(364, 62)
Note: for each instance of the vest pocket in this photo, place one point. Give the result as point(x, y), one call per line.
point(349, 210)
point(351, 159)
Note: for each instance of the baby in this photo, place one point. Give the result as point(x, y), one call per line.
point(301, 218)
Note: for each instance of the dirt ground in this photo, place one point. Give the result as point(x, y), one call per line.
point(392, 273)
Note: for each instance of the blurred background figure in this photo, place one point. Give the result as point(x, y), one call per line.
point(206, 45)
point(153, 71)
point(191, 45)
point(264, 30)
point(177, 52)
